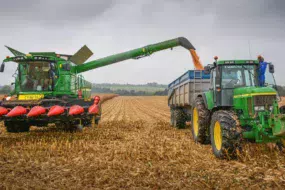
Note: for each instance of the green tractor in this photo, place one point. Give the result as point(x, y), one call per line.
point(226, 106)
point(237, 108)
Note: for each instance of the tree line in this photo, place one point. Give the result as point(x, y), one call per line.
point(123, 92)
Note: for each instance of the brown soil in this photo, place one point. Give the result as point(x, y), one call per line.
point(134, 147)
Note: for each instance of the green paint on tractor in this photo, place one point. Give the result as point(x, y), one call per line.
point(233, 109)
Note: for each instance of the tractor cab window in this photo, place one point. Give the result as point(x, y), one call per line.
point(37, 76)
point(234, 76)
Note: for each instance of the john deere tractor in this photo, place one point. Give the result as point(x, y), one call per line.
point(235, 108)
point(226, 106)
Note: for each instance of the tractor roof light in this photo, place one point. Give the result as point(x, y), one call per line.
point(7, 57)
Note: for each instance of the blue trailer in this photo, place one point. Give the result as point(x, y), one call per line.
point(182, 93)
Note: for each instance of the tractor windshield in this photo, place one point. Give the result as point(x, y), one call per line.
point(36, 76)
point(234, 76)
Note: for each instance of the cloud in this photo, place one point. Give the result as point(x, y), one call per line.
point(53, 12)
point(223, 27)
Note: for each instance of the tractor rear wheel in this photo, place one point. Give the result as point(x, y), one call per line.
point(200, 122)
point(178, 118)
point(225, 134)
point(17, 126)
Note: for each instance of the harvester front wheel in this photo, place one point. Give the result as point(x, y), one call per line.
point(225, 134)
point(200, 121)
point(178, 118)
point(17, 127)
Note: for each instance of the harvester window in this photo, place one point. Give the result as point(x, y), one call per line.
point(36, 76)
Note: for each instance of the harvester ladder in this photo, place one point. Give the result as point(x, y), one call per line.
point(197, 82)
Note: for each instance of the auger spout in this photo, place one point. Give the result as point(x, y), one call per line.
point(141, 52)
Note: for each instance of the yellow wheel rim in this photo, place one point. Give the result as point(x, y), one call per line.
point(195, 122)
point(218, 135)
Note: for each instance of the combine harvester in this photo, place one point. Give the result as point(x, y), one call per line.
point(226, 106)
point(50, 89)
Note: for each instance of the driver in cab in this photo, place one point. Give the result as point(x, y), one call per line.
point(261, 70)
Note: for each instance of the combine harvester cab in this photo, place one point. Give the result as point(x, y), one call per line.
point(49, 87)
point(226, 106)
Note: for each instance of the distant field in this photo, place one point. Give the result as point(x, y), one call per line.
point(129, 87)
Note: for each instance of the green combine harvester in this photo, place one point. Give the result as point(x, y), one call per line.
point(226, 106)
point(49, 87)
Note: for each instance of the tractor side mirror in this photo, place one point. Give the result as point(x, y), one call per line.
point(207, 70)
point(2, 68)
point(271, 68)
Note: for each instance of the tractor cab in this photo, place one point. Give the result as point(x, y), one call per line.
point(229, 78)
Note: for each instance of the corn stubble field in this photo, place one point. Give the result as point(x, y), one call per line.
point(133, 147)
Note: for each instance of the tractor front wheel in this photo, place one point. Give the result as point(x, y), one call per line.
point(200, 121)
point(225, 134)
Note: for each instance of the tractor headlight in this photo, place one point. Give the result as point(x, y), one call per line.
point(259, 108)
point(270, 108)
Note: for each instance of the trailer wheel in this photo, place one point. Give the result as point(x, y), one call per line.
point(178, 118)
point(200, 122)
point(225, 134)
point(17, 127)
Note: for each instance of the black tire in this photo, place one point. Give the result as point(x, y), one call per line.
point(200, 122)
point(17, 127)
point(172, 117)
point(225, 134)
point(178, 118)
point(281, 145)
point(97, 121)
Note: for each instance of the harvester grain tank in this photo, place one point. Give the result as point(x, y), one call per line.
point(226, 106)
point(50, 89)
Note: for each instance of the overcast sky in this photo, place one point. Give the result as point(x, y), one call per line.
point(230, 29)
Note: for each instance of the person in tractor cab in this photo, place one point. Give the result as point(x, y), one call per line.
point(52, 75)
point(261, 70)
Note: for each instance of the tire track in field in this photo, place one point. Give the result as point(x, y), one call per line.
point(109, 114)
point(136, 114)
point(133, 109)
point(115, 113)
point(155, 113)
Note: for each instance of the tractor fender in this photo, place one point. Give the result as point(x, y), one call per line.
point(208, 100)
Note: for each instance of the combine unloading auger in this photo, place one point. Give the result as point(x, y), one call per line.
point(50, 89)
point(142, 52)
